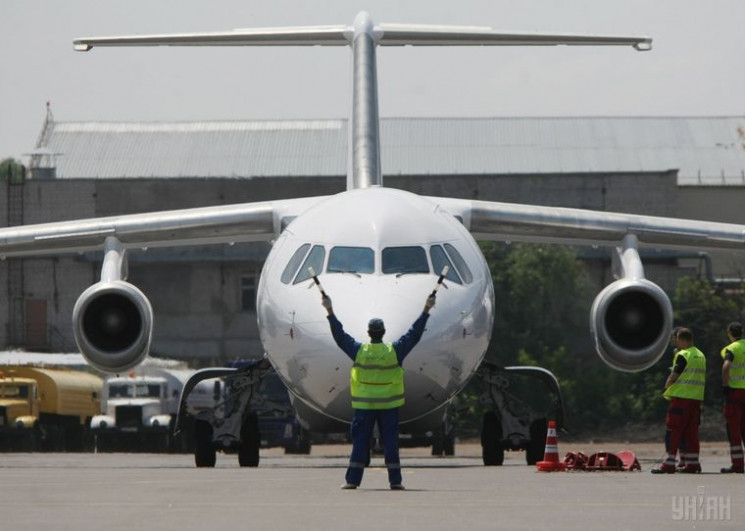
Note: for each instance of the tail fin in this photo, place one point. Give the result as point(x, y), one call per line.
point(363, 161)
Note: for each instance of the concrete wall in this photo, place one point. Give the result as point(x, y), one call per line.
point(4, 306)
point(636, 193)
point(127, 196)
point(197, 310)
point(46, 201)
point(3, 202)
point(716, 203)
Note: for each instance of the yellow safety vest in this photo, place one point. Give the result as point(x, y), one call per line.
point(377, 379)
point(737, 369)
point(691, 382)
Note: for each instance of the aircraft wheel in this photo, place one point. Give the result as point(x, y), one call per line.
point(205, 454)
point(248, 452)
point(537, 446)
point(437, 446)
point(491, 438)
point(448, 443)
point(304, 443)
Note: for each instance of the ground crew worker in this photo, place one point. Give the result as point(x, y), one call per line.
point(733, 389)
point(377, 388)
point(684, 389)
point(682, 446)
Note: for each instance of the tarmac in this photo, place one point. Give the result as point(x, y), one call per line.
point(166, 492)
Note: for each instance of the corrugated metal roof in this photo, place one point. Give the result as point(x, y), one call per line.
point(705, 150)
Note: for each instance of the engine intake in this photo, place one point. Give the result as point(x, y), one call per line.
point(113, 324)
point(631, 321)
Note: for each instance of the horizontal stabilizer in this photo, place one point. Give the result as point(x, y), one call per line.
point(385, 35)
point(425, 35)
point(296, 36)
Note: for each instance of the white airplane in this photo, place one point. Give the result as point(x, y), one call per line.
point(378, 251)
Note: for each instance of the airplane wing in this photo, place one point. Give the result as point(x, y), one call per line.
point(488, 220)
point(260, 221)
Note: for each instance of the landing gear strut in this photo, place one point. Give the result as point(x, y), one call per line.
point(520, 400)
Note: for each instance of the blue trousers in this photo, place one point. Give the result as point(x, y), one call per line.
point(363, 423)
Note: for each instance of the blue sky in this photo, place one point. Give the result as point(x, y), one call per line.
point(694, 69)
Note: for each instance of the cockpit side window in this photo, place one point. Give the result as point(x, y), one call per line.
point(440, 260)
point(314, 260)
point(457, 259)
point(404, 260)
point(294, 263)
point(351, 260)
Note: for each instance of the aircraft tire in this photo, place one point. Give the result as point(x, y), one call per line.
point(248, 452)
point(205, 455)
point(491, 437)
point(537, 445)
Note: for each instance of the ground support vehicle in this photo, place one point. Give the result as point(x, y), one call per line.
point(248, 401)
point(278, 424)
point(135, 415)
point(519, 402)
point(47, 409)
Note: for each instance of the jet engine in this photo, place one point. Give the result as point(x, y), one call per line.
point(113, 325)
point(631, 321)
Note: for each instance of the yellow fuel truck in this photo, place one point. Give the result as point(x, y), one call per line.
point(47, 409)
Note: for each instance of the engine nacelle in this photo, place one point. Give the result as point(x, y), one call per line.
point(113, 325)
point(631, 321)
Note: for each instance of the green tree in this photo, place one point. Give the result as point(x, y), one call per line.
point(12, 170)
point(543, 295)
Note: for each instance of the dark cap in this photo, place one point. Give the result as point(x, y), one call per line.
point(376, 325)
point(735, 329)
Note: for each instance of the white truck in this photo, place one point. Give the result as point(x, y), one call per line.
point(138, 410)
point(135, 415)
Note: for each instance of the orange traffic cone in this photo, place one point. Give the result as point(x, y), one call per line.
point(551, 461)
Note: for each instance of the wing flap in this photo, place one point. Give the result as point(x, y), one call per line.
point(507, 221)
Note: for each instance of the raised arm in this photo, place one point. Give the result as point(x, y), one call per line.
point(408, 341)
point(343, 340)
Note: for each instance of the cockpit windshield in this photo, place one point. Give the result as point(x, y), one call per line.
point(404, 260)
point(314, 260)
point(460, 263)
point(360, 260)
point(294, 263)
point(440, 260)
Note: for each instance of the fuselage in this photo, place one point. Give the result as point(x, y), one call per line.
point(378, 253)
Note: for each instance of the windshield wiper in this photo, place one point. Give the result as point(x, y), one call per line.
point(346, 271)
point(402, 273)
